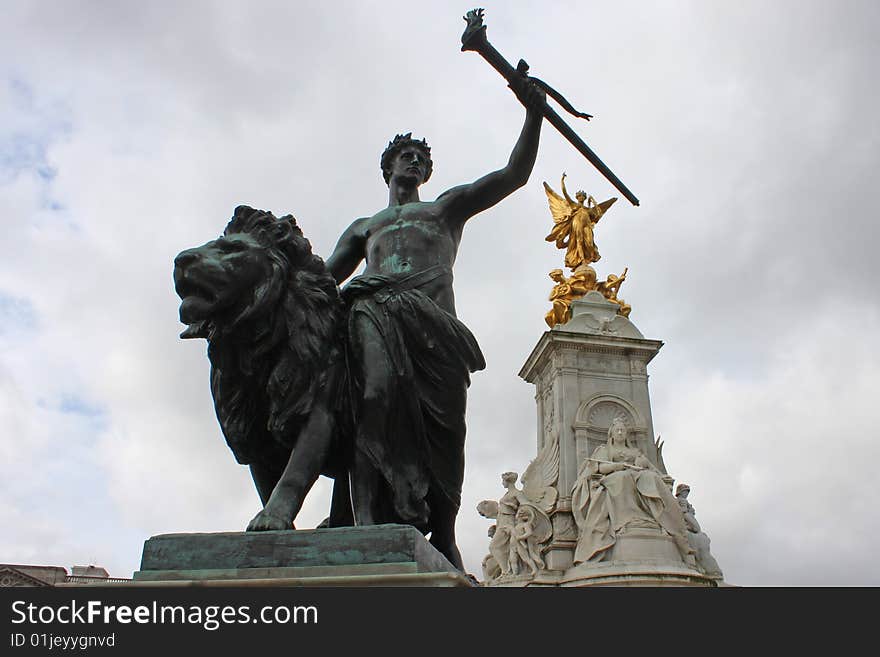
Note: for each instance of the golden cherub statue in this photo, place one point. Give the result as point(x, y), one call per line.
point(567, 290)
point(573, 224)
point(610, 288)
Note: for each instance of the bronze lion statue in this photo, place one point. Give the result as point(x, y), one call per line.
point(270, 312)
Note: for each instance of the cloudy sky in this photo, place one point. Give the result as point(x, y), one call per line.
point(129, 131)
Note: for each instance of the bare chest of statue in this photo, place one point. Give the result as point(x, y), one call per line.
point(409, 238)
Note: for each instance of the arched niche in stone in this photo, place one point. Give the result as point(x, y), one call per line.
point(594, 417)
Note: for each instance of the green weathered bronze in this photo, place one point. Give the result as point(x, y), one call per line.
point(346, 551)
point(368, 385)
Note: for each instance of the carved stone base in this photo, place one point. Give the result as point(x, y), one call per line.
point(559, 558)
point(639, 557)
point(646, 545)
point(612, 573)
point(622, 573)
point(513, 581)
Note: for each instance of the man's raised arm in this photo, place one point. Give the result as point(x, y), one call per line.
point(465, 201)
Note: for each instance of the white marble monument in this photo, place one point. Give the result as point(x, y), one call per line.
point(596, 504)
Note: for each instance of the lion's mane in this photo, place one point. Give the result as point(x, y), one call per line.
point(272, 350)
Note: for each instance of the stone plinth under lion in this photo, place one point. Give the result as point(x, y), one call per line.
point(379, 555)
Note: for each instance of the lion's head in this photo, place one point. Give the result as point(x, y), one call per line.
point(269, 310)
point(241, 274)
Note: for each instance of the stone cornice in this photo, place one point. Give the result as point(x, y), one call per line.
point(551, 341)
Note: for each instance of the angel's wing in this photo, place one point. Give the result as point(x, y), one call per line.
point(660, 464)
point(539, 478)
point(562, 212)
point(559, 207)
point(602, 207)
point(543, 529)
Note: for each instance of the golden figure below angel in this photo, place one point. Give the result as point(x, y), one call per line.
point(573, 225)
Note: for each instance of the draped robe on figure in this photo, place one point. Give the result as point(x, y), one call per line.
point(419, 447)
point(623, 499)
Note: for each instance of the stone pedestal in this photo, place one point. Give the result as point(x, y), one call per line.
point(586, 372)
point(638, 573)
point(381, 555)
point(617, 573)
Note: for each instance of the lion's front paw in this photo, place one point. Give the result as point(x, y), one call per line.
point(265, 521)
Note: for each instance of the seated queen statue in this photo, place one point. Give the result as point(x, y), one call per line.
point(619, 489)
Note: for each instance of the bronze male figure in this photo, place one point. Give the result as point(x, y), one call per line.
point(369, 388)
point(409, 356)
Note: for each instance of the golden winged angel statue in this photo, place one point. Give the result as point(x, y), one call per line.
point(573, 224)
